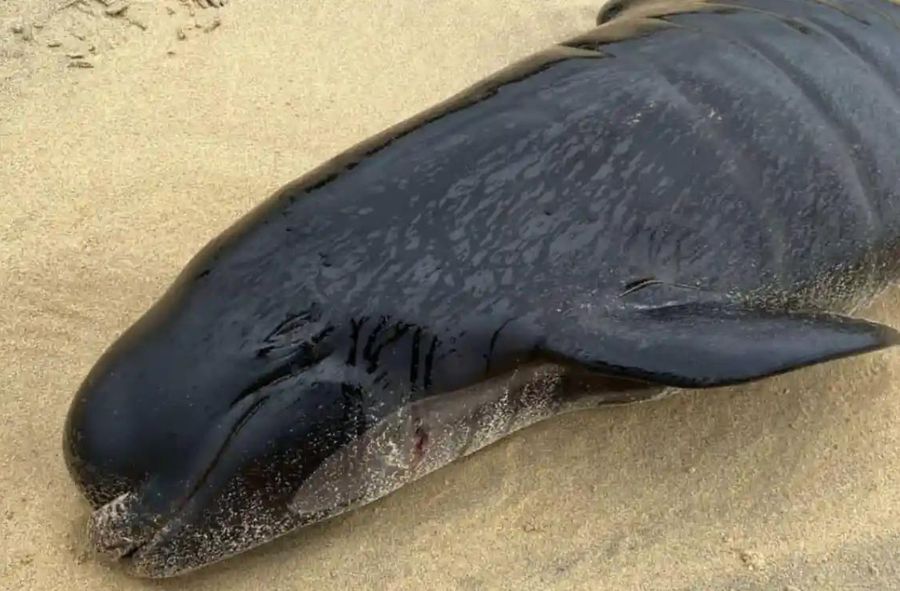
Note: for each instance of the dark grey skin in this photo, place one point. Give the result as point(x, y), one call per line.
point(690, 195)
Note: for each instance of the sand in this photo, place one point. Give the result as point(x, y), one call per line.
point(131, 133)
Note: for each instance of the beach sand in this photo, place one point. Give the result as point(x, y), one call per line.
point(132, 133)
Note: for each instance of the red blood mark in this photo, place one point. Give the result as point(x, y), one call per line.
point(420, 444)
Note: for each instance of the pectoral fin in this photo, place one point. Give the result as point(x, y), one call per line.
point(713, 344)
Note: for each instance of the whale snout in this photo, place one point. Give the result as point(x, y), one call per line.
point(118, 529)
point(126, 533)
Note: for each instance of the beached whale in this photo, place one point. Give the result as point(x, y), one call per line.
point(692, 194)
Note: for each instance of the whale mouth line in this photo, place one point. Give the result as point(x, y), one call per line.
point(130, 553)
point(116, 530)
point(119, 530)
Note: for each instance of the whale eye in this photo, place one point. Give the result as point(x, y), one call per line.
point(302, 327)
point(289, 362)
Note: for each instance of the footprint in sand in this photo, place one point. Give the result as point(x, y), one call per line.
point(80, 31)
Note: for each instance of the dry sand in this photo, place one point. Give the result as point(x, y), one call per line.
point(115, 171)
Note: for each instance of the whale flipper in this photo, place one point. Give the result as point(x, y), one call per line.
point(698, 345)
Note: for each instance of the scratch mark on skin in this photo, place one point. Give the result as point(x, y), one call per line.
point(494, 338)
point(414, 362)
point(640, 284)
point(429, 362)
point(354, 339)
point(373, 337)
point(398, 332)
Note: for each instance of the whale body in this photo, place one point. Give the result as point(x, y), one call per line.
point(690, 195)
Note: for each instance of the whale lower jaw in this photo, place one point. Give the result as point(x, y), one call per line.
point(155, 551)
point(118, 534)
point(115, 530)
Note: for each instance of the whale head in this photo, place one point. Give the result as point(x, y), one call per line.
point(190, 438)
point(192, 433)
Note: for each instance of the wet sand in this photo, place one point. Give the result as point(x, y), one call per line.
point(119, 162)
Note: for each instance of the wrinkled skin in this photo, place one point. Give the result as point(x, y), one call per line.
point(398, 307)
